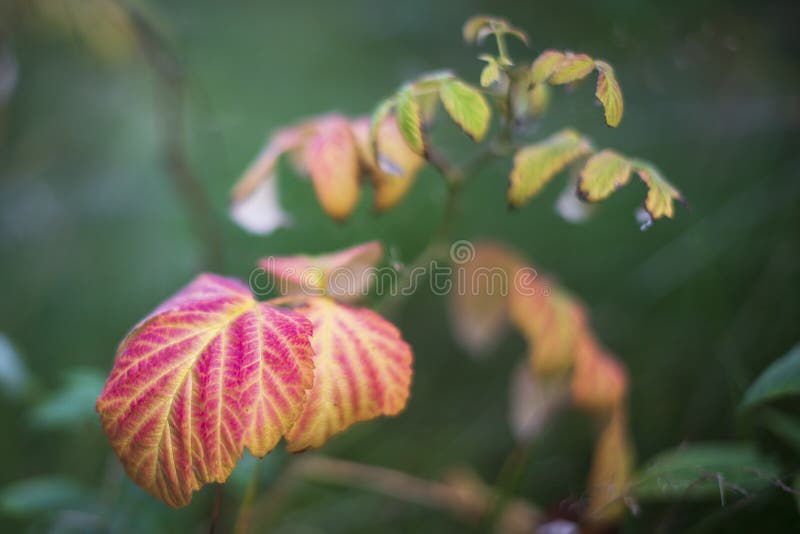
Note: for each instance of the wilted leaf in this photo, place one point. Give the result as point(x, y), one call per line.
point(599, 381)
point(362, 370)
point(394, 175)
point(34, 497)
point(659, 201)
point(72, 404)
point(409, 120)
point(780, 379)
point(332, 160)
point(704, 471)
point(551, 322)
point(609, 93)
point(467, 107)
point(210, 372)
point(535, 165)
point(604, 173)
point(534, 400)
point(545, 65)
point(478, 304)
point(612, 466)
point(571, 68)
point(342, 274)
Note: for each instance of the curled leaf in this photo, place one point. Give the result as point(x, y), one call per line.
point(604, 173)
point(612, 466)
point(659, 200)
point(343, 275)
point(332, 161)
point(536, 165)
point(394, 174)
point(210, 372)
point(362, 370)
point(609, 93)
point(572, 68)
point(599, 382)
point(477, 28)
point(545, 65)
point(467, 107)
point(409, 120)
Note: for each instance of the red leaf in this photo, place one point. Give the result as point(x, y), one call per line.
point(210, 372)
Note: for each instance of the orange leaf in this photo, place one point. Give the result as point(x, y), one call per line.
point(332, 160)
point(362, 370)
point(394, 175)
point(343, 274)
point(612, 466)
point(208, 373)
point(599, 382)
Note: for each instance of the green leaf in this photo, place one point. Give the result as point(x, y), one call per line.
point(609, 93)
point(545, 65)
point(15, 379)
point(571, 68)
point(72, 404)
point(659, 201)
point(467, 107)
point(539, 99)
point(409, 120)
point(604, 173)
point(536, 165)
point(380, 113)
point(780, 379)
point(41, 495)
point(704, 471)
point(492, 74)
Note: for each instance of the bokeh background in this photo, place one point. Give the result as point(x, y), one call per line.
point(94, 233)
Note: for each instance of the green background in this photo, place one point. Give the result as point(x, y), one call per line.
point(93, 235)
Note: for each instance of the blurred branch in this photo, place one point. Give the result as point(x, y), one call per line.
point(170, 91)
point(463, 496)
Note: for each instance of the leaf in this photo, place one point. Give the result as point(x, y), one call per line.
point(780, 379)
point(254, 200)
point(534, 401)
point(15, 379)
point(362, 370)
point(72, 404)
point(612, 466)
point(609, 93)
point(390, 187)
point(467, 107)
point(599, 381)
point(380, 113)
point(658, 202)
point(478, 27)
point(492, 74)
point(210, 372)
point(332, 160)
point(409, 120)
point(478, 304)
point(545, 65)
point(343, 274)
point(41, 496)
point(604, 173)
point(571, 68)
point(535, 165)
point(704, 471)
point(473, 26)
point(539, 99)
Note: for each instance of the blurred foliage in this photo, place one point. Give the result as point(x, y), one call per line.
point(93, 233)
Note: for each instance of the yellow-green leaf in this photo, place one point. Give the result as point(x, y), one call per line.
point(571, 68)
point(409, 120)
point(473, 26)
point(604, 173)
point(535, 165)
point(378, 115)
point(539, 99)
point(467, 107)
point(659, 202)
point(491, 73)
point(609, 93)
point(545, 65)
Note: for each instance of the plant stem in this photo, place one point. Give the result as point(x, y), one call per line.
point(170, 79)
point(246, 508)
